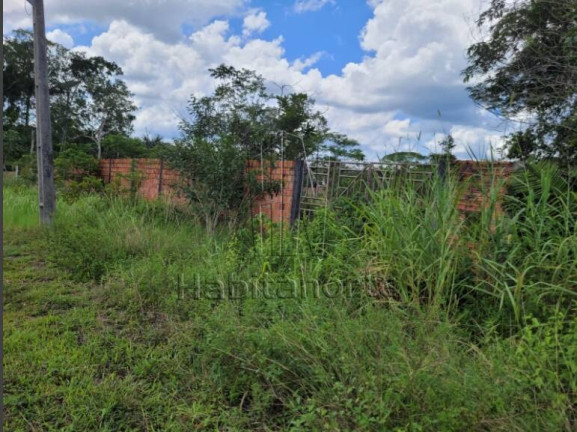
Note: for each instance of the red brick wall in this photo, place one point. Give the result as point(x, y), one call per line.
point(148, 176)
point(480, 178)
point(278, 208)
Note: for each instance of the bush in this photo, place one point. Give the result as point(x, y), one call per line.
point(75, 164)
point(28, 166)
point(74, 189)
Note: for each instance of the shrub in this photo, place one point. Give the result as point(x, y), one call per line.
point(74, 189)
point(75, 164)
point(28, 166)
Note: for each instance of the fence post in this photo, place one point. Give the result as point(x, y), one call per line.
point(133, 186)
point(109, 170)
point(332, 180)
point(160, 169)
point(297, 190)
point(370, 181)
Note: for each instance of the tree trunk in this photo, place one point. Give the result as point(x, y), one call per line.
point(27, 112)
point(99, 136)
point(98, 149)
point(32, 140)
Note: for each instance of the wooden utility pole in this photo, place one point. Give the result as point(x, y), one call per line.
point(46, 194)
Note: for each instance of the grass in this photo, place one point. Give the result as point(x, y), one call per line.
point(104, 328)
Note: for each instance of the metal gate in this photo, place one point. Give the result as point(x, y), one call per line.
point(324, 183)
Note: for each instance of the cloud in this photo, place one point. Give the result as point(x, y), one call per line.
point(416, 50)
point(302, 6)
point(255, 22)
point(163, 76)
point(163, 18)
point(389, 101)
point(60, 37)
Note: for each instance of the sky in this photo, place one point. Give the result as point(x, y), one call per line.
point(385, 72)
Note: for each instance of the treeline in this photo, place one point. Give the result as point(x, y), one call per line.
point(92, 110)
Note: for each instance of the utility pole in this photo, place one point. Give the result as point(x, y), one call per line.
point(46, 194)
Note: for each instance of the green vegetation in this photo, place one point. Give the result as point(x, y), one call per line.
point(524, 68)
point(89, 100)
point(114, 319)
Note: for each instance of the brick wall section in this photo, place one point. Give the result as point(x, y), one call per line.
point(278, 208)
point(480, 177)
point(149, 177)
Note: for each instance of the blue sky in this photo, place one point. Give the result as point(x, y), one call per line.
point(381, 70)
point(333, 30)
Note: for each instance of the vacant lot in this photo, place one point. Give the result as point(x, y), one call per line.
point(114, 318)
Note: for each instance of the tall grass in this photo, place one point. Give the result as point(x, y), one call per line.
point(20, 209)
point(397, 352)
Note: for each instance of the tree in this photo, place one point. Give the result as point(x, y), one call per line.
point(236, 111)
point(521, 145)
point(18, 95)
point(214, 177)
point(446, 156)
point(18, 82)
point(89, 100)
point(527, 67)
point(262, 124)
point(413, 158)
point(448, 145)
point(122, 146)
point(102, 104)
point(241, 121)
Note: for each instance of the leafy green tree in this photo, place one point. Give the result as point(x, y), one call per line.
point(18, 95)
point(527, 67)
point(448, 145)
point(213, 177)
point(18, 78)
point(522, 145)
point(404, 158)
point(236, 111)
point(156, 147)
point(446, 156)
point(121, 146)
point(14, 145)
point(108, 109)
point(89, 100)
point(241, 121)
point(262, 124)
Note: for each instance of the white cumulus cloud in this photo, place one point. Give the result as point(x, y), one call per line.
point(255, 22)
point(60, 37)
point(164, 18)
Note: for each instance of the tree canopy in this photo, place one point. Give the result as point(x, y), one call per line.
point(404, 157)
point(526, 68)
point(88, 98)
point(242, 112)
